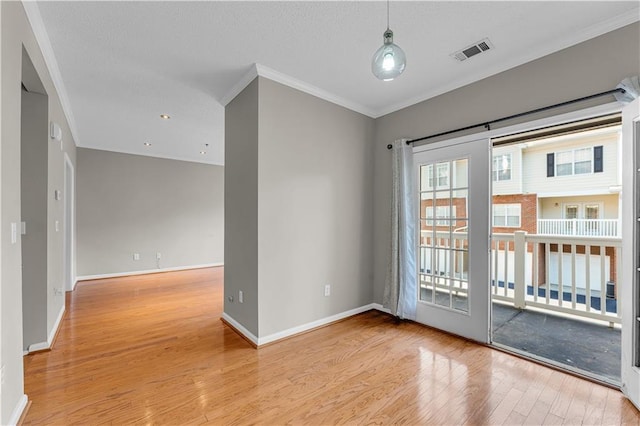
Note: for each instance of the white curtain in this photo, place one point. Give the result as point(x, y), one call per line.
point(400, 292)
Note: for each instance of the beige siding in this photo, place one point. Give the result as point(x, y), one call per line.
point(535, 178)
point(514, 185)
point(553, 207)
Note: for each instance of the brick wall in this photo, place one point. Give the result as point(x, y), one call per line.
point(528, 212)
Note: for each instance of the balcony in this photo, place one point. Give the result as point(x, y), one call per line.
point(579, 227)
point(552, 295)
point(563, 292)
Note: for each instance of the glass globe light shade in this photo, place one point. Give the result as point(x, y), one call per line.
point(389, 61)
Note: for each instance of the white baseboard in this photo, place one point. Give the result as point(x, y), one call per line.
point(259, 341)
point(240, 328)
point(311, 325)
point(54, 329)
point(17, 411)
point(34, 347)
point(380, 308)
point(144, 272)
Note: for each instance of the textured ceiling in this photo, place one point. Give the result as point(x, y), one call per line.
point(122, 64)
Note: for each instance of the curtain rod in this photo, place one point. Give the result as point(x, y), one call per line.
point(487, 124)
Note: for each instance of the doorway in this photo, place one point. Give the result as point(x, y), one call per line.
point(556, 247)
point(33, 203)
point(69, 225)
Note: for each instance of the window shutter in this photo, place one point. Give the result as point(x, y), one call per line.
point(550, 165)
point(597, 159)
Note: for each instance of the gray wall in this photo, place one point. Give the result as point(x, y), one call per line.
point(16, 34)
point(594, 66)
point(315, 208)
point(241, 207)
point(301, 167)
point(130, 203)
point(33, 184)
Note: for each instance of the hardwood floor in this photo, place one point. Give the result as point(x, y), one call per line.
point(152, 350)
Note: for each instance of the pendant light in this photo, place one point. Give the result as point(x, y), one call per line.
point(389, 61)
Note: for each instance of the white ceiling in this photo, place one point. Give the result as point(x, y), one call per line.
point(119, 65)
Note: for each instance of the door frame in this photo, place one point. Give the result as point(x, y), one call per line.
point(630, 374)
point(69, 218)
point(608, 108)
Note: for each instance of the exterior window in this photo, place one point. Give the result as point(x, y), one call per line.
point(576, 162)
point(442, 217)
point(442, 175)
point(501, 167)
point(592, 211)
point(506, 215)
point(571, 212)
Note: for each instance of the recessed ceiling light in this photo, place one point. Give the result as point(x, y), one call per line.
point(147, 144)
point(165, 116)
point(203, 152)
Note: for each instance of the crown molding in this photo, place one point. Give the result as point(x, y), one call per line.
point(273, 75)
point(246, 79)
point(42, 39)
point(313, 90)
point(593, 31)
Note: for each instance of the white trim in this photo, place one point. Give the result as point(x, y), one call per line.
point(313, 90)
point(144, 272)
point(35, 347)
point(52, 334)
point(266, 72)
point(545, 49)
point(18, 410)
point(56, 325)
point(240, 328)
point(311, 325)
point(569, 117)
point(259, 341)
point(379, 307)
point(601, 191)
point(42, 38)
point(70, 194)
point(246, 79)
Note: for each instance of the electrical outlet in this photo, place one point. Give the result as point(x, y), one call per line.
point(136, 256)
point(240, 297)
point(230, 299)
point(57, 291)
point(158, 255)
point(327, 290)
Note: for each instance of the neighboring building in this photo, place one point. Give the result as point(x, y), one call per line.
point(566, 185)
point(563, 185)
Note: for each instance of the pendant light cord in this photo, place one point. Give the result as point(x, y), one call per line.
point(387, 14)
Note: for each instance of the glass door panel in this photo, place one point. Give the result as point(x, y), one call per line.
point(453, 246)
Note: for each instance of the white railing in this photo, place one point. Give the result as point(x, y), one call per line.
point(564, 274)
point(579, 227)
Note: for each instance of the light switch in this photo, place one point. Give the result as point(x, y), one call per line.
point(14, 232)
point(23, 228)
point(57, 194)
point(57, 226)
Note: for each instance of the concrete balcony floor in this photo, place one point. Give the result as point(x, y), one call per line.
point(587, 346)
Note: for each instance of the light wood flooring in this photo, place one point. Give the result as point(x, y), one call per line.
point(152, 350)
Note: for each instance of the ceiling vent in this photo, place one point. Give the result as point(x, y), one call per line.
point(472, 50)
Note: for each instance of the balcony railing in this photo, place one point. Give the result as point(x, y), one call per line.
point(579, 227)
point(573, 275)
